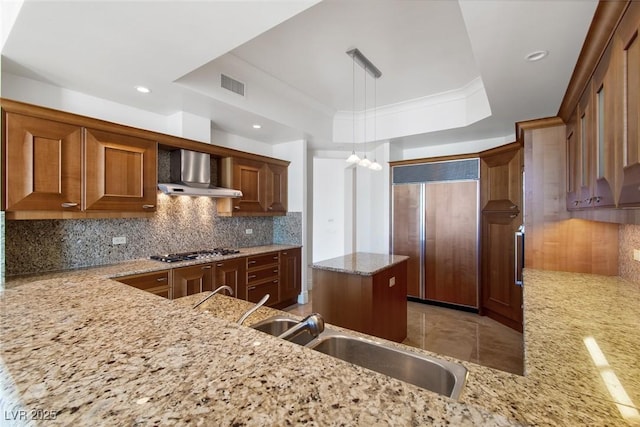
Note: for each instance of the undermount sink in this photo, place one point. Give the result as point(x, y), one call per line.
point(430, 373)
point(278, 324)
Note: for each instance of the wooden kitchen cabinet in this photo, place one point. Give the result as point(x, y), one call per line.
point(42, 165)
point(263, 277)
point(627, 44)
point(232, 272)
point(120, 172)
point(501, 192)
point(157, 283)
point(56, 167)
point(192, 280)
point(264, 187)
point(290, 276)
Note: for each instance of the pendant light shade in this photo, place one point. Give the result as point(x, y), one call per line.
point(353, 158)
point(365, 163)
point(375, 166)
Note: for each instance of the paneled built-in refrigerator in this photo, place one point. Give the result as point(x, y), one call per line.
point(435, 221)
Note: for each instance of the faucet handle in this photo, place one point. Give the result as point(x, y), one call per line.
point(252, 309)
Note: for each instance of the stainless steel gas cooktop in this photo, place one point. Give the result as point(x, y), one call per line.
point(187, 256)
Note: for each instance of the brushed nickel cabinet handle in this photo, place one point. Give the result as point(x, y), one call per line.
point(251, 288)
point(275, 281)
point(270, 208)
point(252, 262)
point(513, 216)
point(161, 279)
point(275, 257)
point(206, 267)
point(275, 270)
point(284, 253)
point(236, 207)
point(148, 206)
point(513, 206)
point(69, 205)
point(219, 265)
point(253, 276)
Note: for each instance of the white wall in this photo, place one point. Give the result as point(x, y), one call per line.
point(454, 149)
point(241, 143)
point(328, 208)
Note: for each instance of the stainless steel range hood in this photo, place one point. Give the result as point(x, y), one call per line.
point(191, 176)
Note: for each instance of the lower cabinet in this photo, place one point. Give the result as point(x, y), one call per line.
point(263, 277)
point(157, 283)
point(251, 278)
point(290, 275)
point(232, 272)
point(192, 280)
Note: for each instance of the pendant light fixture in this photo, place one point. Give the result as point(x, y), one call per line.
point(353, 158)
point(373, 71)
point(365, 163)
point(375, 166)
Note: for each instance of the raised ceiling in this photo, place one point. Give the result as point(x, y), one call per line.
point(291, 57)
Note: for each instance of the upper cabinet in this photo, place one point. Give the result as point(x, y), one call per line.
point(42, 165)
point(263, 185)
point(603, 142)
point(55, 169)
point(120, 172)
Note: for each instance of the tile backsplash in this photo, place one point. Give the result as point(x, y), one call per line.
point(629, 239)
point(180, 224)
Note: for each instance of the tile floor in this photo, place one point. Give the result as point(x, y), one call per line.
point(465, 336)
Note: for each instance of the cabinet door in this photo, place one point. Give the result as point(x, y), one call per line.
point(290, 274)
point(232, 273)
point(120, 172)
point(192, 280)
point(501, 179)
point(629, 41)
point(155, 283)
point(249, 176)
point(276, 188)
point(573, 165)
point(42, 169)
point(501, 296)
point(587, 135)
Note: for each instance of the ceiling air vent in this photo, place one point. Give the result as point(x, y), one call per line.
point(232, 84)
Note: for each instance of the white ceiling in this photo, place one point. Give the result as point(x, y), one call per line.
point(291, 56)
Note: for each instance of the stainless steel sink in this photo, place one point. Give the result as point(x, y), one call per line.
point(430, 373)
point(278, 324)
point(427, 372)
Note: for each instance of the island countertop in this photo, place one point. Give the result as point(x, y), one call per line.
point(99, 352)
point(361, 263)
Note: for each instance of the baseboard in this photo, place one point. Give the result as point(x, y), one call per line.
point(444, 304)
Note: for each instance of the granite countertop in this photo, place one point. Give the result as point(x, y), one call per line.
point(136, 266)
point(102, 353)
point(361, 263)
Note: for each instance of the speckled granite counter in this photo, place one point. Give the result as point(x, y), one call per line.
point(99, 352)
point(362, 263)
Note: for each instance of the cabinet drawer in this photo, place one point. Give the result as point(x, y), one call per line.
point(156, 283)
point(256, 292)
point(262, 275)
point(258, 261)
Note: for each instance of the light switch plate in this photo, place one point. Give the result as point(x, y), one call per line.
point(120, 240)
point(248, 231)
point(392, 281)
point(636, 254)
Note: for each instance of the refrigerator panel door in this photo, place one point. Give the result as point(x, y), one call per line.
point(408, 233)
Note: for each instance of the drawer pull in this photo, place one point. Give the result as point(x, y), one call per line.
point(252, 288)
point(284, 253)
point(236, 207)
point(148, 206)
point(275, 281)
point(208, 267)
point(275, 270)
point(252, 262)
point(253, 276)
point(275, 257)
point(161, 279)
point(69, 205)
point(219, 265)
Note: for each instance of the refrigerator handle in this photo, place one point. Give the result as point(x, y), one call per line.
point(519, 258)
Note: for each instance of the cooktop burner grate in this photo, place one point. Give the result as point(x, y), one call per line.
point(187, 256)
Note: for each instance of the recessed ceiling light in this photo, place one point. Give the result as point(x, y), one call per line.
point(143, 89)
point(537, 55)
point(257, 126)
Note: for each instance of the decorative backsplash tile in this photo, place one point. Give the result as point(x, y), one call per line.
point(180, 224)
point(287, 230)
point(629, 239)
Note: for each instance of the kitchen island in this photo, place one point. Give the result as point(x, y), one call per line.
point(365, 292)
point(98, 352)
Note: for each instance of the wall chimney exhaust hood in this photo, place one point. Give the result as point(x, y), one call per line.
point(191, 176)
